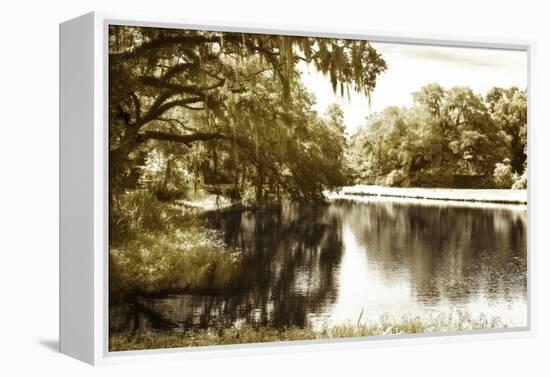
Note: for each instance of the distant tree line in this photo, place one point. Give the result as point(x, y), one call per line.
point(448, 138)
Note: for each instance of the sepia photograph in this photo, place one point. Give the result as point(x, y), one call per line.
point(275, 188)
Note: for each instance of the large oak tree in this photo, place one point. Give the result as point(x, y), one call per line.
point(230, 91)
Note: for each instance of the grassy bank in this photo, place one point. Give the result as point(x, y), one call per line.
point(158, 246)
point(190, 259)
point(246, 334)
point(462, 195)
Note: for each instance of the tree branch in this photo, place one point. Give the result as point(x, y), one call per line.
point(182, 40)
point(184, 139)
point(198, 136)
point(156, 111)
point(137, 106)
point(178, 122)
point(177, 88)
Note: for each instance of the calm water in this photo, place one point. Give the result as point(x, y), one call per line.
point(328, 263)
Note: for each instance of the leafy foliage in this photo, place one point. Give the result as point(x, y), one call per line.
point(135, 212)
point(446, 135)
point(504, 177)
point(508, 108)
point(194, 259)
point(520, 182)
point(235, 104)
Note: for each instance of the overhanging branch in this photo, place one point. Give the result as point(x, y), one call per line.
point(188, 139)
point(184, 139)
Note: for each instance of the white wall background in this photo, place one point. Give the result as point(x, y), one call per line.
point(29, 184)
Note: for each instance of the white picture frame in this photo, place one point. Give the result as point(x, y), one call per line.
point(84, 189)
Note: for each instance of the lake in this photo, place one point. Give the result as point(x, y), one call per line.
point(328, 264)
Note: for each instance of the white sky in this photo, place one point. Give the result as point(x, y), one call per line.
point(412, 66)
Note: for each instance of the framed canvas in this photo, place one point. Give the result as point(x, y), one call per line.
point(239, 188)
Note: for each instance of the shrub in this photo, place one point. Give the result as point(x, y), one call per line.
point(380, 181)
point(135, 212)
point(192, 259)
point(503, 175)
point(432, 178)
point(395, 178)
point(520, 182)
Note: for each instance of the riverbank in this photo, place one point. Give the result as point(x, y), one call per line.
point(245, 334)
point(159, 247)
point(457, 195)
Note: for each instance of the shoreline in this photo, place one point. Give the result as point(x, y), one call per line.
point(247, 334)
point(494, 196)
point(483, 197)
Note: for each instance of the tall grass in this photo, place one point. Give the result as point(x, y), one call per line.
point(385, 326)
point(134, 212)
point(157, 246)
point(190, 259)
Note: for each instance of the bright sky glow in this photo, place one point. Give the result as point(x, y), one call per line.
point(412, 66)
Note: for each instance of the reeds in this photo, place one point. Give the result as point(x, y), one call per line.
point(455, 321)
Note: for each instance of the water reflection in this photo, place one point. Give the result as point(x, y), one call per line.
point(328, 263)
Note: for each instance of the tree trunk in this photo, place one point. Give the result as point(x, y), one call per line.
point(259, 189)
